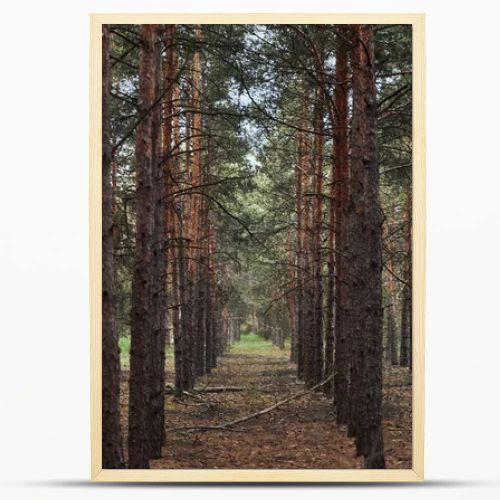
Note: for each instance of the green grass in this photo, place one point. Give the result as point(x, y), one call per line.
point(250, 343)
point(253, 344)
point(124, 344)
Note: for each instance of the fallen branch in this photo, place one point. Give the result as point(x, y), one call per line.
point(204, 403)
point(232, 423)
point(206, 390)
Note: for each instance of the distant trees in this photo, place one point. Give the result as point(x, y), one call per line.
point(406, 309)
point(246, 182)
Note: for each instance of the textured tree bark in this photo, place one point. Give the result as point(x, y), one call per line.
point(302, 207)
point(158, 275)
point(174, 216)
point(291, 299)
point(112, 456)
point(186, 314)
point(406, 306)
point(330, 299)
point(194, 265)
point(299, 204)
point(204, 267)
point(317, 237)
point(213, 296)
point(309, 281)
point(162, 187)
point(390, 310)
point(140, 376)
point(340, 188)
point(367, 373)
point(307, 255)
point(186, 248)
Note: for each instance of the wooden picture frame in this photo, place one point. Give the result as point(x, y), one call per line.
point(260, 475)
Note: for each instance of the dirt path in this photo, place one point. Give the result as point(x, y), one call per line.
point(300, 434)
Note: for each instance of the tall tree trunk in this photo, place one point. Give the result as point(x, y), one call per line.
point(317, 237)
point(308, 188)
point(340, 188)
point(140, 376)
point(390, 309)
point(302, 172)
point(196, 219)
point(406, 306)
point(208, 262)
point(330, 300)
point(309, 278)
point(161, 174)
point(174, 215)
point(158, 274)
point(112, 457)
point(299, 210)
point(186, 314)
point(367, 383)
point(213, 296)
point(291, 299)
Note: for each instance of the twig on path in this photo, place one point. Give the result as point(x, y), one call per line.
point(207, 390)
point(228, 425)
point(203, 403)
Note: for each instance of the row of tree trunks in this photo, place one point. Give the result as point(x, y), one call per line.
point(174, 265)
point(351, 346)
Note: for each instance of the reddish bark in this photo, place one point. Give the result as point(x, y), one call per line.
point(139, 404)
point(317, 227)
point(339, 191)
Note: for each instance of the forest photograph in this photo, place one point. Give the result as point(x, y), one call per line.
point(257, 249)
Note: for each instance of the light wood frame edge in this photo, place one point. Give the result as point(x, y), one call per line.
point(419, 254)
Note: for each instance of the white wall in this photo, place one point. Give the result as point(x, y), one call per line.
point(44, 427)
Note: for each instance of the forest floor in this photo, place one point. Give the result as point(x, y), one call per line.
point(301, 434)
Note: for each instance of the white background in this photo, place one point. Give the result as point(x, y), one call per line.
point(44, 349)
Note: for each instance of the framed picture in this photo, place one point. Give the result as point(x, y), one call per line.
point(257, 247)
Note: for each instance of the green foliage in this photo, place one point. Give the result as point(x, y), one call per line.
point(252, 84)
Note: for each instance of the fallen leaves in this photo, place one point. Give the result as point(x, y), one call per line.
point(301, 434)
